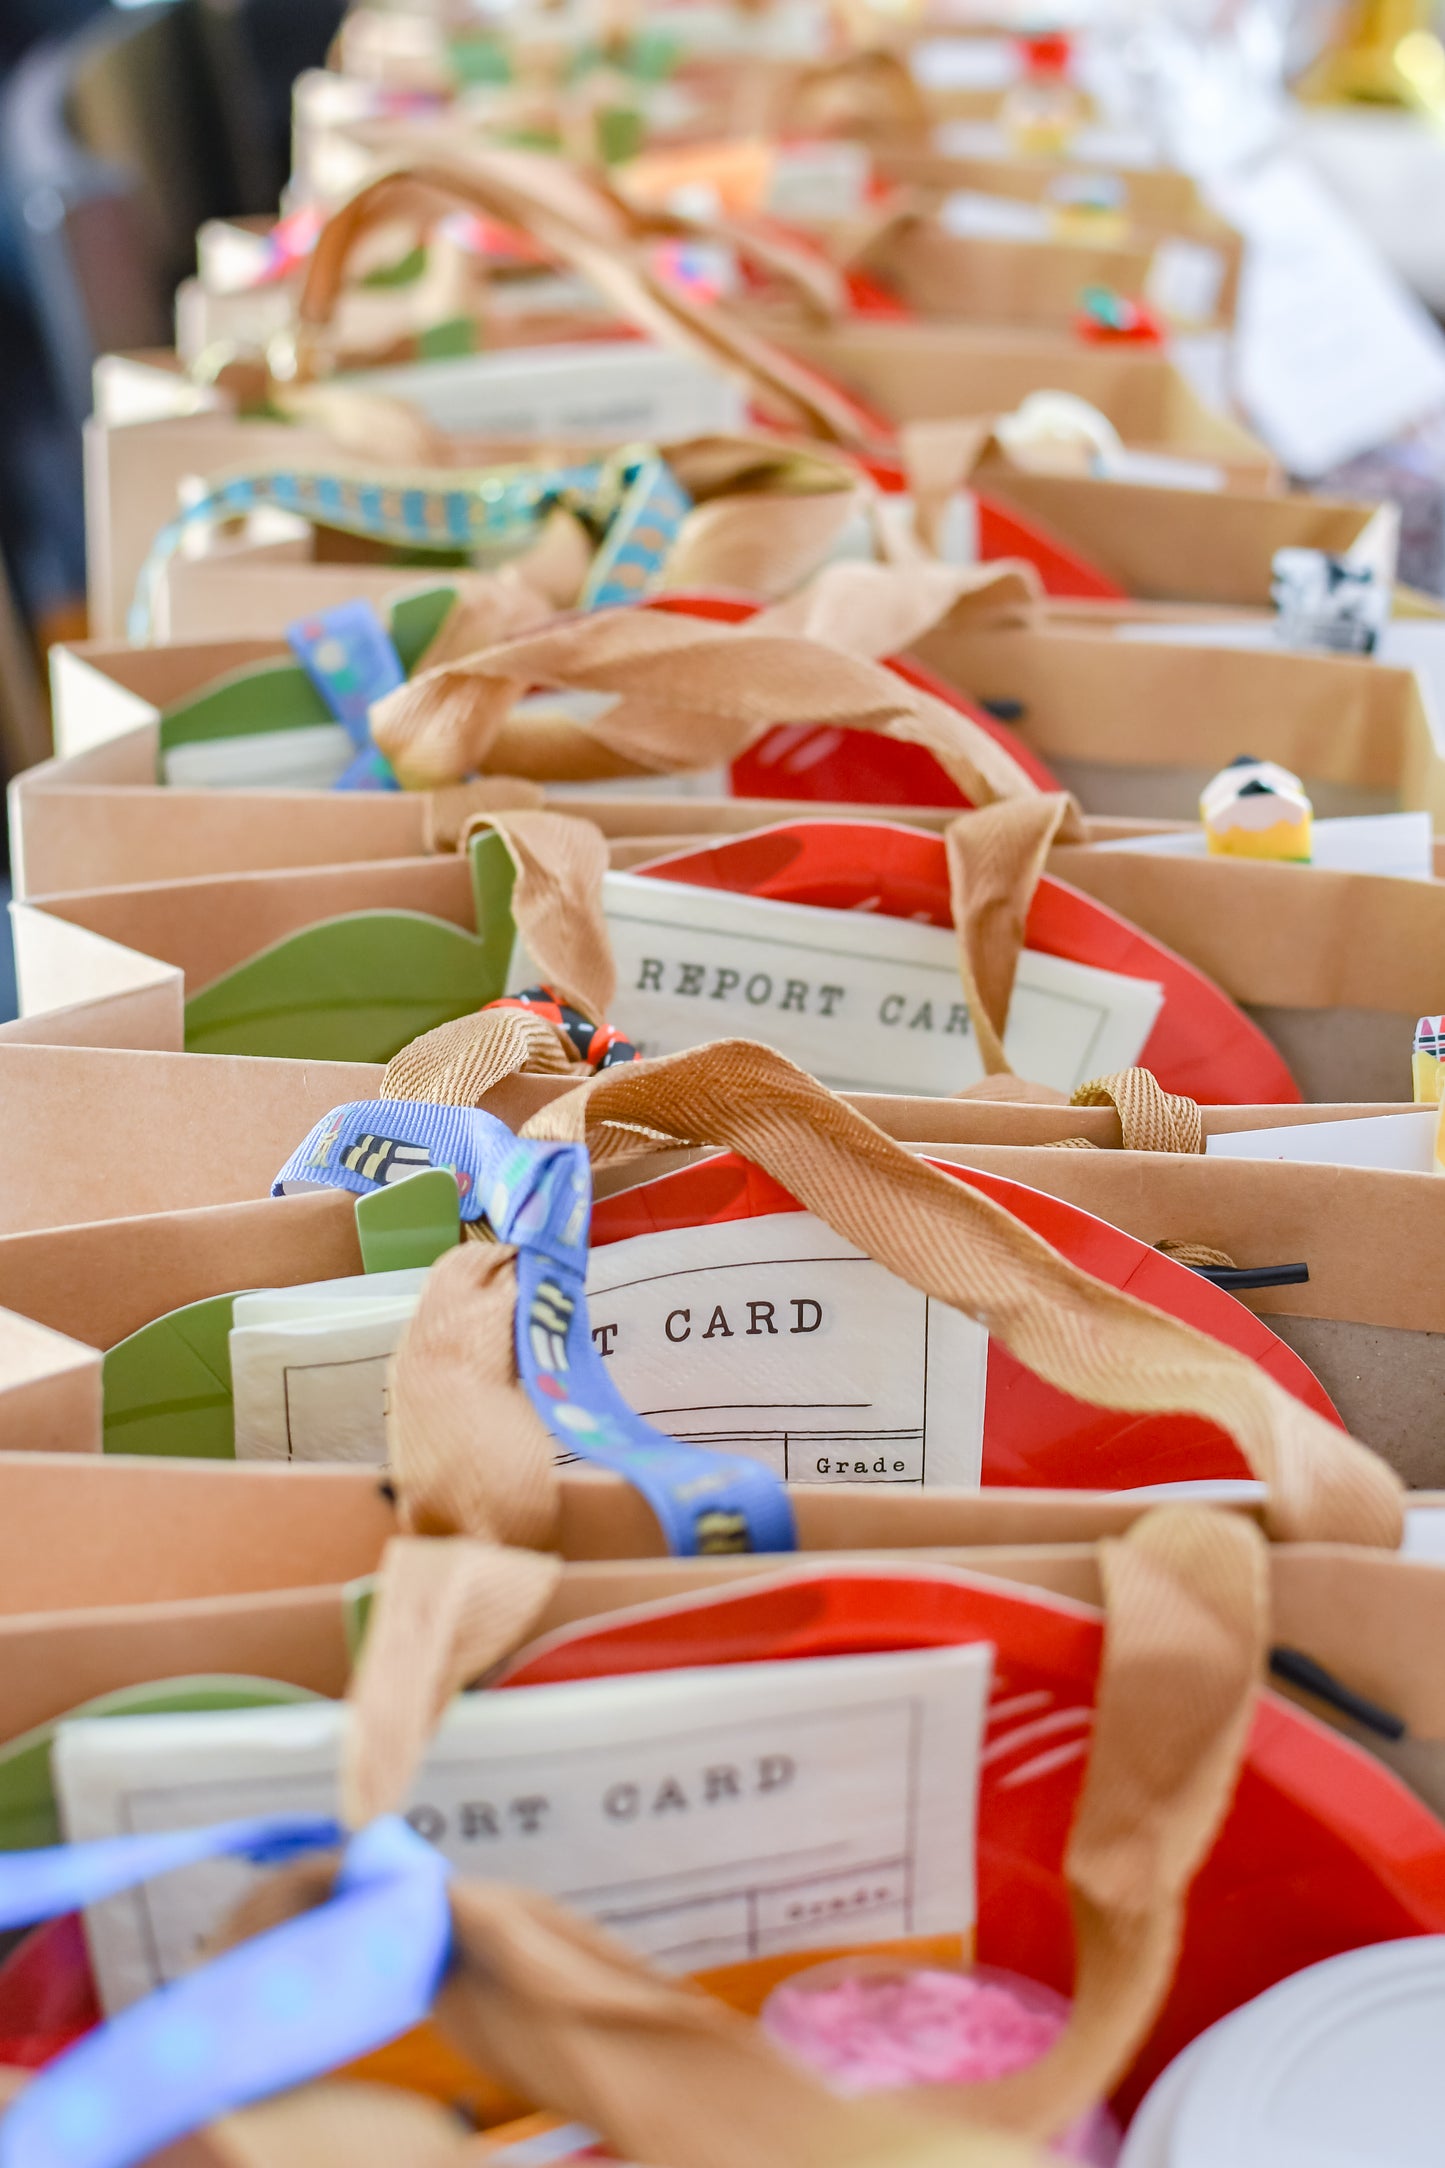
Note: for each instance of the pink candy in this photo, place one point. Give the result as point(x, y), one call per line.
point(872, 2028)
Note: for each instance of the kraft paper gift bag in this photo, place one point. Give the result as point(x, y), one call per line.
point(1139, 727)
point(927, 372)
point(1361, 1313)
point(1198, 255)
point(1158, 532)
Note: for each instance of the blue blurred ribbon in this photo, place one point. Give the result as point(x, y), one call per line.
point(272, 2013)
point(538, 1197)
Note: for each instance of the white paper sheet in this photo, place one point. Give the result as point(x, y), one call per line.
point(867, 1003)
point(1398, 844)
point(1334, 355)
point(1402, 1142)
point(970, 214)
point(311, 758)
point(776, 1338)
point(704, 1816)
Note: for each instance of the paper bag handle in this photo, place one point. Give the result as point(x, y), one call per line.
point(680, 692)
point(585, 230)
point(955, 1245)
point(1184, 1648)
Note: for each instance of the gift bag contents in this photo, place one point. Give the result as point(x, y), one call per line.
point(719, 1295)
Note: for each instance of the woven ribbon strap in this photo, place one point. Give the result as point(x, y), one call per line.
point(577, 224)
point(475, 1473)
point(672, 693)
point(1150, 1119)
point(560, 2013)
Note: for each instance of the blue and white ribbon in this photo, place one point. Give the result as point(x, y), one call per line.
point(275, 2012)
point(538, 1197)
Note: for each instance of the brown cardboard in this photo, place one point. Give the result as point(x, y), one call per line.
point(1138, 727)
point(83, 1532)
point(1156, 203)
point(938, 372)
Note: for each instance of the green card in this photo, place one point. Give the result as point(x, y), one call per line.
point(247, 703)
point(29, 1819)
point(166, 1390)
point(410, 1224)
point(361, 987)
point(414, 621)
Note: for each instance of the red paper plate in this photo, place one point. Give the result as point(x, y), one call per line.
point(1201, 1044)
point(818, 761)
point(1323, 1850)
point(1034, 1436)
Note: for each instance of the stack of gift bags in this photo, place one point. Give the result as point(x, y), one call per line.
point(720, 1295)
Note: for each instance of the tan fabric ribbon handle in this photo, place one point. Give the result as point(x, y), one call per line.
point(580, 231)
point(1184, 1645)
point(995, 859)
point(882, 610)
point(1150, 1119)
point(672, 693)
point(952, 1243)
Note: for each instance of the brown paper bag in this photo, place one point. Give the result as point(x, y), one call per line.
point(1334, 967)
point(1160, 206)
point(1140, 726)
point(941, 372)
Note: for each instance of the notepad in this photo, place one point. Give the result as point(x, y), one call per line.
point(309, 1367)
point(704, 1816)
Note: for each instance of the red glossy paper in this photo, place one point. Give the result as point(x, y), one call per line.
point(1201, 1044)
point(857, 767)
point(1323, 1850)
point(1035, 1437)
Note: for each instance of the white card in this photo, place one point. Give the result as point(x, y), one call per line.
point(316, 1390)
point(704, 1816)
point(1402, 1142)
point(1398, 844)
point(965, 63)
point(1185, 280)
point(971, 215)
point(610, 390)
point(313, 757)
point(775, 1338)
point(1157, 470)
point(1334, 355)
point(864, 1002)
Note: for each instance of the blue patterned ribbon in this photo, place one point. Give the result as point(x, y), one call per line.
point(272, 2013)
point(538, 1197)
point(498, 510)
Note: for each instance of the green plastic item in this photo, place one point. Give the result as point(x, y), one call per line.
point(449, 340)
point(166, 1390)
point(404, 272)
point(262, 697)
point(480, 60)
point(361, 987)
point(250, 702)
point(621, 134)
point(29, 1817)
point(357, 1598)
point(409, 1224)
point(416, 619)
